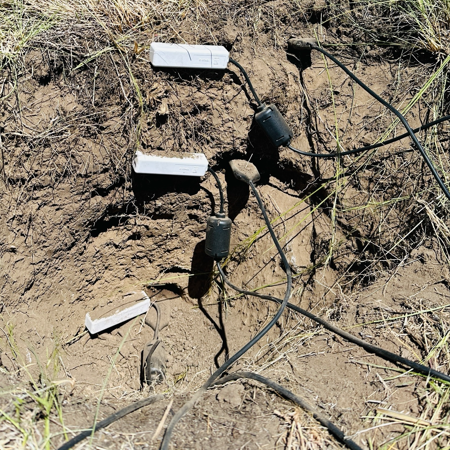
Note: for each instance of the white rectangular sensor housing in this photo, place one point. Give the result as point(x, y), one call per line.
point(188, 164)
point(188, 56)
point(120, 315)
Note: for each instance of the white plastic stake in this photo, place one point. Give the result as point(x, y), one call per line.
point(188, 164)
point(188, 56)
point(97, 325)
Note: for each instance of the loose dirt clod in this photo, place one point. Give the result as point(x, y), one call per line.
point(231, 394)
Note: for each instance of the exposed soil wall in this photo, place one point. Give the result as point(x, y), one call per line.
point(79, 230)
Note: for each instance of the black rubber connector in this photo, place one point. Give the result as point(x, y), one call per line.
point(270, 120)
point(218, 234)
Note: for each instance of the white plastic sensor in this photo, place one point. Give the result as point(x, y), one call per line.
point(188, 56)
point(121, 315)
point(188, 164)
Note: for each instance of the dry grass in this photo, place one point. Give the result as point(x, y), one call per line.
point(21, 21)
point(302, 433)
point(428, 333)
point(411, 25)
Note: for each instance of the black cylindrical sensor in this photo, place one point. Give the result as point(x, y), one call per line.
point(218, 234)
point(273, 124)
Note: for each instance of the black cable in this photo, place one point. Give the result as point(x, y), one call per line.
point(150, 348)
point(113, 418)
point(247, 79)
point(392, 109)
point(392, 357)
point(285, 393)
point(369, 147)
point(219, 187)
point(187, 406)
point(158, 321)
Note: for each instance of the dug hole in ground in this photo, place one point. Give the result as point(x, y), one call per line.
point(366, 237)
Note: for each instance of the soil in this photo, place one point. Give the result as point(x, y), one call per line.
point(79, 230)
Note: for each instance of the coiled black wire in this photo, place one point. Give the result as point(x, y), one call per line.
point(278, 388)
point(389, 356)
point(392, 109)
point(369, 147)
point(188, 405)
point(281, 390)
